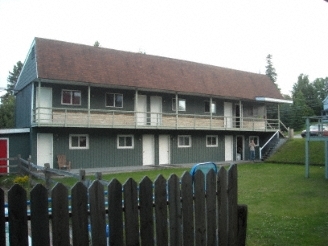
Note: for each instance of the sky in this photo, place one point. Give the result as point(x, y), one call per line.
point(235, 34)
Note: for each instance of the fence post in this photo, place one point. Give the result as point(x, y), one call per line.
point(98, 175)
point(29, 171)
point(47, 175)
point(83, 178)
point(19, 164)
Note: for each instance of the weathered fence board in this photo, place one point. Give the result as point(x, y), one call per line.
point(97, 213)
point(222, 204)
point(79, 205)
point(173, 186)
point(232, 207)
point(200, 229)
point(189, 211)
point(146, 212)
point(18, 230)
point(211, 207)
point(115, 213)
point(131, 212)
point(60, 216)
point(161, 211)
point(39, 216)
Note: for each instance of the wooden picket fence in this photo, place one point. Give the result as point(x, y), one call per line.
point(199, 210)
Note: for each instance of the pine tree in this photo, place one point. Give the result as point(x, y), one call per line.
point(270, 70)
point(13, 77)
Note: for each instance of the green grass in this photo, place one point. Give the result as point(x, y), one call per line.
point(284, 207)
point(293, 152)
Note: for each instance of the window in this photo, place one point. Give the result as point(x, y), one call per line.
point(212, 141)
point(181, 105)
point(71, 97)
point(207, 107)
point(78, 141)
point(125, 142)
point(256, 140)
point(184, 141)
point(114, 100)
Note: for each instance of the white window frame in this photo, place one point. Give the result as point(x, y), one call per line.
point(213, 107)
point(114, 103)
point(71, 97)
point(256, 140)
point(183, 145)
point(79, 136)
point(125, 137)
point(180, 100)
point(216, 141)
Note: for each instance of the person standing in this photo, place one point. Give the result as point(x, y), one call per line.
point(252, 150)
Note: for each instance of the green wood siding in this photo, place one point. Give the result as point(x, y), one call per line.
point(198, 152)
point(23, 107)
point(102, 150)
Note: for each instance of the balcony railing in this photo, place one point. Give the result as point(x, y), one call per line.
point(61, 117)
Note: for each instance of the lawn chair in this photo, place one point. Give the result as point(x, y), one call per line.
point(63, 163)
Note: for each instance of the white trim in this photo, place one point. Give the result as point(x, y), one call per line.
point(79, 135)
point(14, 130)
point(124, 147)
point(184, 146)
point(268, 99)
point(216, 141)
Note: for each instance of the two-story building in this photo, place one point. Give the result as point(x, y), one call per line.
point(103, 107)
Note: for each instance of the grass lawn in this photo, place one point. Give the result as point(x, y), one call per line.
point(284, 207)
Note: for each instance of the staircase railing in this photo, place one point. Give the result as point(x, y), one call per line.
point(267, 142)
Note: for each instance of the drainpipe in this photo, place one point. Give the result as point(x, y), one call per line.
point(176, 109)
point(89, 93)
point(136, 108)
point(211, 113)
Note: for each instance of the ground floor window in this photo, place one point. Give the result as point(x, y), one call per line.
point(211, 141)
point(184, 141)
point(78, 141)
point(256, 140)
point(125, 142)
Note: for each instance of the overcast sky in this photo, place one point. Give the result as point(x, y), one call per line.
point(236, 34)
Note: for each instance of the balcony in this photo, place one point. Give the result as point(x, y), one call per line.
point(64, 117)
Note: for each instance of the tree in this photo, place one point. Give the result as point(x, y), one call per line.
point(270, 70)
point(7, 106)
point(7, 112)
point(96, 44)
point(13, 77)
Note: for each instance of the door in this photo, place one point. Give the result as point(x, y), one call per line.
point(4, 153)
point(156, 110)
point(164, 149)
point(228, 114)
point(228, 146)
point(142, 110)
point(45, 149)
point(148, 149)
point(240, 149)
point(44, 106)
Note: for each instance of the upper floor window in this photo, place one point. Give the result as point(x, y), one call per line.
point(114, 100)
point(181, 104)
point(209, 109)
point(71, 97)
point(184, 141)
point(125, 142)
point(78, 141)
point(212, 141)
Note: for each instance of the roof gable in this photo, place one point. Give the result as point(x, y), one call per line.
point(57, 60)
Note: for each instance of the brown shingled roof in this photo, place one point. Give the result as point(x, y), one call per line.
point(57, 60)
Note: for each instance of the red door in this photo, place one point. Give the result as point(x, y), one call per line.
point(3, 154)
